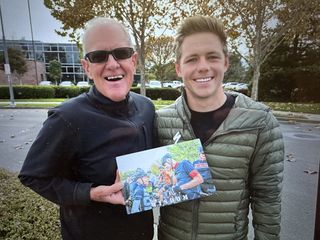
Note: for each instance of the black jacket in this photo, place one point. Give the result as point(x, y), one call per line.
point(76, 149)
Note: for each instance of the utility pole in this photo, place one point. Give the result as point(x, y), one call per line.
point(34, 51)
point(6, 64)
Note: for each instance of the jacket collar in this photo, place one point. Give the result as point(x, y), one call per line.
point(245, 114)
point(124, 107)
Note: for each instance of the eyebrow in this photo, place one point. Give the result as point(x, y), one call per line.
point(208, 53)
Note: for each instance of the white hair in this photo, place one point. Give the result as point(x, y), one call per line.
point(98, 21)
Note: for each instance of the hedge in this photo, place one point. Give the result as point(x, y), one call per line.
point(34, 92)
point(160, 93)
point(24, 214)
point(27, 92)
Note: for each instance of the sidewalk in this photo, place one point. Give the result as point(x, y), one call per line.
point(280, 115)
point(297, 117)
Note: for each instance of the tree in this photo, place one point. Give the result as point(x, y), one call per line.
point(262, 25)
point(236, 71)
point(141, 16)
point(292, 71)
point(160, 55)
point(17, 61)
point(258, 25)
point(55, 71)
point(163, 72)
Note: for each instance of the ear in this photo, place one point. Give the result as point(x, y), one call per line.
point(134, 59)
point(178, 69)
point(86, 68)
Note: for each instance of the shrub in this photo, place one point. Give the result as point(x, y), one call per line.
point(27, 91)
point(4, 92)
point(66, 92)
point(84, 90)
point(24, 214)
point(34, 92)
point(160, 93)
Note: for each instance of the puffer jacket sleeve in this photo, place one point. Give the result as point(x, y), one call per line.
point(266, 180)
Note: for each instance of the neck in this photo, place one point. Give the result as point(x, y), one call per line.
point(207, 104)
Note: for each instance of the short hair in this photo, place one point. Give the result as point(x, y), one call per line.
point(97, 21)
point(199, 24)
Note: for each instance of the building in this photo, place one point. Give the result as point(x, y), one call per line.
point(67, 54)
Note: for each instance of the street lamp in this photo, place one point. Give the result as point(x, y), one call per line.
point(6, 64)
point(34, 51)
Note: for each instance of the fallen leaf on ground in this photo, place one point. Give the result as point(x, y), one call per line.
point(290, 158)
point(310, 171)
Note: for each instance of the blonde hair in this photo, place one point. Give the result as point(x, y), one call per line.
point(199, 24)
point(98, 21)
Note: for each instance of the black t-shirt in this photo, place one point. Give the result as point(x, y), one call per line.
point(204, 124)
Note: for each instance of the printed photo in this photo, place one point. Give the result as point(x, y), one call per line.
point(166, 175)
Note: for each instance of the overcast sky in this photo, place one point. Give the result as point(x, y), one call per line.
point(16, 21)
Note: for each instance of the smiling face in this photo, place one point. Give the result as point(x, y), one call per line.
point(202, 66)
point(113, 78)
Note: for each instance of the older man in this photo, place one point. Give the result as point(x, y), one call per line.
point(72, 162)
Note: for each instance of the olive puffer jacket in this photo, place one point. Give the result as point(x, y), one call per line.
point(245, 156)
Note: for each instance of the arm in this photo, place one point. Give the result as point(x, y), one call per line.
point(266, 174)
point(49, 168)
point(196, 180)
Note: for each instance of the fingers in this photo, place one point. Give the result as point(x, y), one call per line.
point(117, 176)
point(116, 187)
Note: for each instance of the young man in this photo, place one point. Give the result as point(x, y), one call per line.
point(141, 200)
point(241, 139)
point(187, 179)
point(72, 162)
point(201, 165)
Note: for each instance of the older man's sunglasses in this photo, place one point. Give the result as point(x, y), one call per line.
point(101, 56)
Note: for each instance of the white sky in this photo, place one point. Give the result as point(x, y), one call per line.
point(142, 159)
point(16, 21)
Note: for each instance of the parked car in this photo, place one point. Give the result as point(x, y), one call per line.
point(66, 84)
point(235, 86)
point(45, 83)
point(154, 84)
point(83, 84)
point(173, 84)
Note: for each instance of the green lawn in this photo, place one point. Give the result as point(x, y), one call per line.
point(52, 102)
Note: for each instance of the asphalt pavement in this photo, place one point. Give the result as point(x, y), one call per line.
point(19, 127)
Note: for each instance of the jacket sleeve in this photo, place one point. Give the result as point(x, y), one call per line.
point(48, 168)
point(266, 176)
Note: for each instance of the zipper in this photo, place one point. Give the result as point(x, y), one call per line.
point(195, 218)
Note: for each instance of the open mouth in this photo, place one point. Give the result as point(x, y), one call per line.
point(203, 80)
point(114, 78)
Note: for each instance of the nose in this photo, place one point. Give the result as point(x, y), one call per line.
point(112, 63)
point(203, 64)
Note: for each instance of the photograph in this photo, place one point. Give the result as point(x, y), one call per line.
point(165, 175)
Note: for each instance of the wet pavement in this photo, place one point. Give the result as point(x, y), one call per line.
point(19, 127)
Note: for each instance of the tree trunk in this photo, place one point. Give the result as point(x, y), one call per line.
point(255, 82)
point(142, 68)
point(143, 76)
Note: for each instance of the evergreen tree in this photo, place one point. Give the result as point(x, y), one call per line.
point(55, 71)
point(17, 61)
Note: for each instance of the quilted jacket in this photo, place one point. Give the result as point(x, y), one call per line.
point(245, 157)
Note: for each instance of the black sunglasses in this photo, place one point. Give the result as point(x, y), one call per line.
point(101, 56)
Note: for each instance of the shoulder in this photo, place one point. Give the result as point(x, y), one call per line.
point(141, 100)
point(246, 102)
point(253, 109)
point(68, 108)
point(171, 110)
